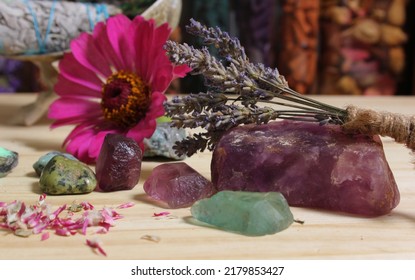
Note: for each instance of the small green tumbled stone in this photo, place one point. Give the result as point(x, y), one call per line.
point(43, 160)
point(8, 160)
point(248, 213)
point(65, 176)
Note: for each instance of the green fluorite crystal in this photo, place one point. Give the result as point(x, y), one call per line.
point(248, 213)
point(65, 176)
point(8, 160)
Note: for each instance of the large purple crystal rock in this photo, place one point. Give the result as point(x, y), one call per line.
point(177, 185)
point(118, 164)
point(311, 165)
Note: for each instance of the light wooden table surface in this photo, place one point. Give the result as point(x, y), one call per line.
point(324, 235)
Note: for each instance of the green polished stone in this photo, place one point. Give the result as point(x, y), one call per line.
point(43, 160)
point(8, 161)
point(65, 176)
point(248, 213)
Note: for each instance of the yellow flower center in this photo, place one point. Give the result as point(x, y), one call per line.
point(125, 99)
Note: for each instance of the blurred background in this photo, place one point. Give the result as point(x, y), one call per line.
point(334, 47)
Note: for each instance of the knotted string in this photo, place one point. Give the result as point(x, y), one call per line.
point(100, 10)
point(400, 127)
point(41, 42)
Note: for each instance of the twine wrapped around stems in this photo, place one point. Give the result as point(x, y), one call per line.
point(365, 121)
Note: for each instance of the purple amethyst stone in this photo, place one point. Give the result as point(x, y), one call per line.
point(311, 165)
point(177, 185)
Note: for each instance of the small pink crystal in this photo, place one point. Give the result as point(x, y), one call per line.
point(177, 185)
point(118, 164)
point(311, 165)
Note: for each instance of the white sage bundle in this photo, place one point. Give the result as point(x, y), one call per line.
point(41, 27)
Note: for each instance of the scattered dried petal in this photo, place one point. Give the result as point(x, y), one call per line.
point(25, 220)
point(107, 217)
point(125, 205)
point(42, 198)
point(86, 205)
point(96, 244)
point(64, 232)
point(102, 230)
point(84, 226)
point(44, 236)
point(57, 212)
point(161, 214)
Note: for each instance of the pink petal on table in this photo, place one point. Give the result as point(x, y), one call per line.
point(44, 236)
point(161, 214)
point(126, 205)
point(95, 244)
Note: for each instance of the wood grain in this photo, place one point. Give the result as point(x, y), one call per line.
point(324, 235)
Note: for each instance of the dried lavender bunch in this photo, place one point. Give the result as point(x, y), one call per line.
point(236, 87)
point(211, 112)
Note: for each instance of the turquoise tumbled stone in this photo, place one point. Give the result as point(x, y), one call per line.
point(248, 213)
point(43, 160)
point(8, 161)
point(65, 176)
point(163, 140)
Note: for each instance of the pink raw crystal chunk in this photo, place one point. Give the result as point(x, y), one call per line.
point(311, 165)
point(177, 185)
point(118, 164)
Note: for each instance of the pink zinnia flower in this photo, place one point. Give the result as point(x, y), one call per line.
point(113, 81)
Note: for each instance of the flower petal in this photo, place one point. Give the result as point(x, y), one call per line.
point(180, 71)
point(86, 53)
point(71, 69)
point(156, 108)
point(117, 31)
point(68, 88)
point(143, 42)
point(44, 236)
point(85, 140)
point(144, 129)
point(79, 144)
point(163, 33)
point(78, 130)
point(162, 78)
point(103, 43)
point(73, 110)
